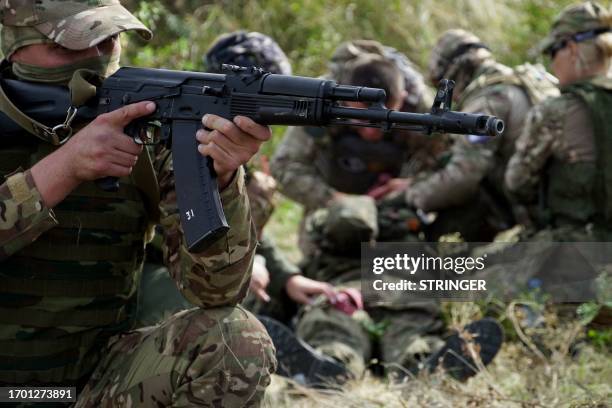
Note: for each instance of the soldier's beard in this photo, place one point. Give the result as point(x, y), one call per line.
point(103, 65)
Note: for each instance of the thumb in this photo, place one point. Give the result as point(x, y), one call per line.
point(123, 116)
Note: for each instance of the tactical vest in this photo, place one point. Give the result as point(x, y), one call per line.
point(581, 193)
point(533, 79)
point(537, 85)
point(353, 165)
point(65, 294)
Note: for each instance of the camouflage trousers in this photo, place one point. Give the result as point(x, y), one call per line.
point(221, 357)
point(400, 339)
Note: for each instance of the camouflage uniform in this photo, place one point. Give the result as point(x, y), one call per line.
point(560, 170)
point(70, 275)
point(311, 164)
point(400, 337)
point(256, 49)
point(561, 164)
point(261, 189)
point(160, 299)
point(471, 183)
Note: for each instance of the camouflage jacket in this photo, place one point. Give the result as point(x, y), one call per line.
point(294, 164)
point(474, 158)
point(553, 167)
point(69, 276)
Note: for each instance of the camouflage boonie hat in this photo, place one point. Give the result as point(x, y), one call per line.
point(74, 24)
point(451, 45)
point(247, 50)
point(578, 22)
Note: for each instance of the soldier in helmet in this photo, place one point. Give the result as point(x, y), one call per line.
point(314, 166)
point(561, 164)
point(247, 49)
point(468, 192)
point(71, 254)
point(331, 172)
point(560, 167)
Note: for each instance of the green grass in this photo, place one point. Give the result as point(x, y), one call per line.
point(309, 30)
point(283, 225)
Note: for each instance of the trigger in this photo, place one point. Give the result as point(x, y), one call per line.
point(148, 133)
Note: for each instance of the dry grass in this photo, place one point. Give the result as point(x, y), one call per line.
point(557, 376)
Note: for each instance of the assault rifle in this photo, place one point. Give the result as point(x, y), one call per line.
point(182, 99)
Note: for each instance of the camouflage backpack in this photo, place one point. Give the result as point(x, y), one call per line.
point(348, 51)
point(534, 79)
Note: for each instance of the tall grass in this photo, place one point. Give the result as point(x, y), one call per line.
point(309, 30)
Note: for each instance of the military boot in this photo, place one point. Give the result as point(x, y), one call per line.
point(300, 362)
point(484, 337)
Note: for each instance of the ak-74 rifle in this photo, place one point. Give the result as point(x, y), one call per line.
point(182, 98)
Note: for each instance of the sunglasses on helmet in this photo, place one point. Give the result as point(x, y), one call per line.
point(578, 37)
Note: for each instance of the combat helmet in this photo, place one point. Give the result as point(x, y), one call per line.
point(247, 50)
point(579, 23)
point(451, 51)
